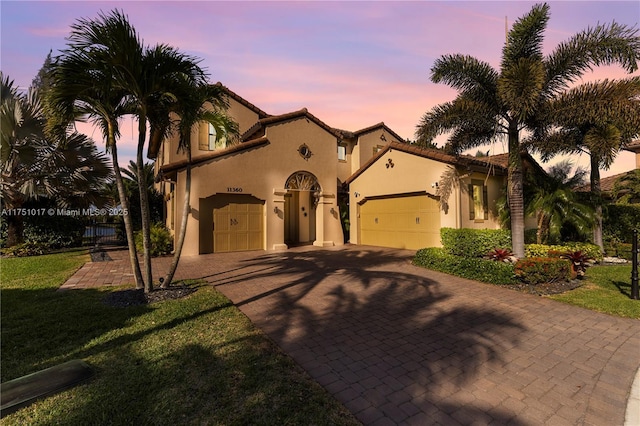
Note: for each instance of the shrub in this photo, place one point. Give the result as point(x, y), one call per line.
point(543, 250)
point(26, 249)
point(472, 268)
point(50, 232)
point(530, 236)
point(161, 240)
point(55, 232)
point(619, 221)
point(474, 242)
point(623, 250)
point(539, 270)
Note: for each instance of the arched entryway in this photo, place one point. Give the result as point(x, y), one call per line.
point(300, 204)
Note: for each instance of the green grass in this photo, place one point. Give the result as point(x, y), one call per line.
point(607, 290)
point(197, 360)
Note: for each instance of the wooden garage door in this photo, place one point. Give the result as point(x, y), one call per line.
point(237, 227)
point(408, 222)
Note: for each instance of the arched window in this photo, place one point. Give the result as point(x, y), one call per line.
point(303, 181)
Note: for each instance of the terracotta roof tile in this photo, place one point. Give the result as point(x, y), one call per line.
point(606, 184)
point(243, 146)
point(432, 154)
point(634, 146)
point(274, 119)
point(243, 101)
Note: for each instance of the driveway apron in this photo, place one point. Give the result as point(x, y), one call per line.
point(398, 344)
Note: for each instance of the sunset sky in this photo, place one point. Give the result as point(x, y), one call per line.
point(352, 64)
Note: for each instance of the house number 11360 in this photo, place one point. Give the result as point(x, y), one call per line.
point(234, 189)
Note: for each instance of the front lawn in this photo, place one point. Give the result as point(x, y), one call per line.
point(196, 360)
point(607, 289)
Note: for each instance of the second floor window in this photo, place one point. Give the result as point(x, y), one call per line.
point(208, 136)
point(342, 153)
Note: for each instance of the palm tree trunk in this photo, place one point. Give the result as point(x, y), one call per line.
point(183, 224)
point(515, 192)
point(597, 194)
point(128, 226)
point(144, 206)
point(15, 225)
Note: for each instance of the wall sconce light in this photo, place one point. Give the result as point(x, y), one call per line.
point(356, 194)
point(434, 185)
point(389, 163)
point(332, 211)
point(276, 210)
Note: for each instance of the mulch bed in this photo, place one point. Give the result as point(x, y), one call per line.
point(135, 297)
point(546, 288)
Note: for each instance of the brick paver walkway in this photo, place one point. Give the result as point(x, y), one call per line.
point(398, 344)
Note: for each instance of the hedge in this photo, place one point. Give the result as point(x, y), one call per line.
point(543, 250)
point(466, 267)
point(474, 242)
point(619, 221)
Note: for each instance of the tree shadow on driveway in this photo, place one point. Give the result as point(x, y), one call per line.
point(387, 342)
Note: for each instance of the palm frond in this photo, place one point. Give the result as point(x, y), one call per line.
point(524, 40)
point(599, 45)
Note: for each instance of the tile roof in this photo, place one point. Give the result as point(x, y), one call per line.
point(432, 154)
point(243, 101)
point(275, 119)
point(242, 146)
point(634, 146)
point(606, 184)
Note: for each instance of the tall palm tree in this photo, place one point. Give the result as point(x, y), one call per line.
point(554, 202)
point(83, 87)
point(598, 119)
point(156, 82)
point(69, 169)
point(492, 103)
point(202, 103)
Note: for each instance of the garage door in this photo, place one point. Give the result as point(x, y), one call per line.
point(238, 227)
point(408, 222)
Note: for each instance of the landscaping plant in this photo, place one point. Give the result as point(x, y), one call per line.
point(580, 261)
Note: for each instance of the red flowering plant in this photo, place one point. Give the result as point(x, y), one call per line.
point(501, 255)
point(580, 261)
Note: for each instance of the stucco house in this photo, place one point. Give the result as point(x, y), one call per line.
point(289, 178)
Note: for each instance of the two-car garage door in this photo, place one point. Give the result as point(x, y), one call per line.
point(407, 222)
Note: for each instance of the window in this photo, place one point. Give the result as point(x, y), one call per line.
point(478, 201)
point(342, 153)
point(377, 149)
point(212, 137)
point(208, 135)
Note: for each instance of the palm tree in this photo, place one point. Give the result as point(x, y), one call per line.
point(598, 119)
point(203, 103)
point(83, 87)
point(626, 189)
point(492, 103)
point(555, 202)
point(69, 170)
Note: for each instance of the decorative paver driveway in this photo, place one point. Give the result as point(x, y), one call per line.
point(398, 344)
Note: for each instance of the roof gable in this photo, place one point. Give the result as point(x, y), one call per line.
point(277, 119)
point(431, 154)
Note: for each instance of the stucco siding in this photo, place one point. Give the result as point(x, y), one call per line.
point(262, 173)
